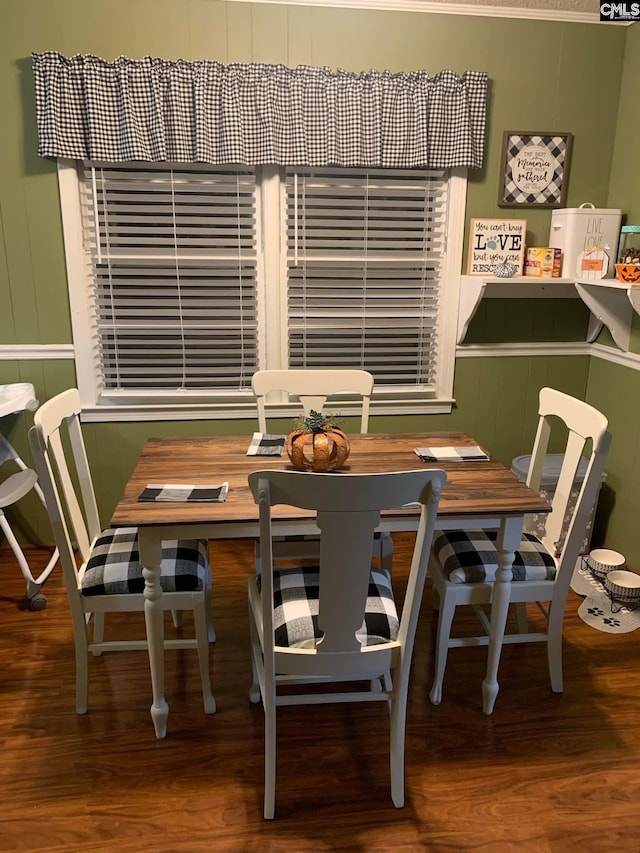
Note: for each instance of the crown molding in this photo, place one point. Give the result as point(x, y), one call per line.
point(559, 15)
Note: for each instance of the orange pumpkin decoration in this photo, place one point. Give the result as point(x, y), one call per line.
point(629, 273)
point(324, 450)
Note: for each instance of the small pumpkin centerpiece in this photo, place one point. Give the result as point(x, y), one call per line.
point(317, 443)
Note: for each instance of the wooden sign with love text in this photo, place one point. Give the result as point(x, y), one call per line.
point(496, 241)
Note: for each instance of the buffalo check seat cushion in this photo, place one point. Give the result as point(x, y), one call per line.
point(471, 556)
point(114, 567)
point(296, 601)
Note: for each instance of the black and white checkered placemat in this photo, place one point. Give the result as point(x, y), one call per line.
point(450, 454)
point(263, 444)
point(182, 492)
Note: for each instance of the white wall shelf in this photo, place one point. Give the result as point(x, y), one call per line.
point(475, 288)
point(610, 302)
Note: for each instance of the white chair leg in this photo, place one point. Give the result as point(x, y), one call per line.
point(554, 651)
point(386, 551)
point(202, 639)
point(254, 692)
point(445, 618)
point(396, 750)
point(97, 620)
point(522, 622)
point(82, 670)
point(269, 755)
point(176, 617)
point(436, 600)
point(257, 558)
point(211, 634)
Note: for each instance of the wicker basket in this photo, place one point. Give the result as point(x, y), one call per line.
point(623, 586)
point(602, 561)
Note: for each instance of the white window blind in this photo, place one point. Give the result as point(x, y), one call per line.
point(172, 276)
point(186, 279)
point(365, 267)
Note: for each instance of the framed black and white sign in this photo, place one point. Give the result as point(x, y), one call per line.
point(496, 241)
point(534, 169)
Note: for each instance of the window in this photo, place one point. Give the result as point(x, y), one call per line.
point(364, 256)
point(186, 278)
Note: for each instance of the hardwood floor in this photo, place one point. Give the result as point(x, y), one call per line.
point(544, 773)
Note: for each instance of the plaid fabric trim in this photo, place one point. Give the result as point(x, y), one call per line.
point(296, 602)
point(450, 454)
point(182, 492)
point(114, 567)
point(263, 444)
point(204, 111)
point(471, 556)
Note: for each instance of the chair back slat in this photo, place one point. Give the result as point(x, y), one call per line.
point(348, 508)
point(312, 387)
point(345, 565)
point(64, 476)
point(586, 433)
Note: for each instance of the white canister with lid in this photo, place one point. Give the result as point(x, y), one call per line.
point(588, 238)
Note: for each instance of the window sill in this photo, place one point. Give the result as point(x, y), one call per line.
point(112, 413)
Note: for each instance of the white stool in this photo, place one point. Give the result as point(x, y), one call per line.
point(17, 397)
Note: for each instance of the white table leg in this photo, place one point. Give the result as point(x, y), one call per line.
point(150, 557)
point(509, 536)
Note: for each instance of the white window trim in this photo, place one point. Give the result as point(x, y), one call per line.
point(79, 304)
point(272, 343)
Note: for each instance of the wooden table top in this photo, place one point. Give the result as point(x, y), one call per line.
point(472, 489)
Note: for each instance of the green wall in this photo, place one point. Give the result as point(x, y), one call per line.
point(544, 76)
point(615, 389)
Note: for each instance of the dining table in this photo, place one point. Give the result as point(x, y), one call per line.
point(482, 493)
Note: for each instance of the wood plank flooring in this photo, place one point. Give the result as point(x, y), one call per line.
point(544, 773)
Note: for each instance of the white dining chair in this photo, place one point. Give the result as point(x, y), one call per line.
point(107, 575)
point(337, 623)
point(464, 562)
point(313, 388)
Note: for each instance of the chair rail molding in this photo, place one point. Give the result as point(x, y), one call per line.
point(35, 352)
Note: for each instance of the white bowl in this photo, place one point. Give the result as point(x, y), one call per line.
point(603, 560)
point(622, 585)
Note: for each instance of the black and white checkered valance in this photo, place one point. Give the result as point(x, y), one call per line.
point(158, 110)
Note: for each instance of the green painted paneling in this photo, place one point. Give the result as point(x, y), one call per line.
point(208, 30)
point(521, 320)
point(615, 390)
point(496, 402)
point(544, 76)
point(624, 189)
